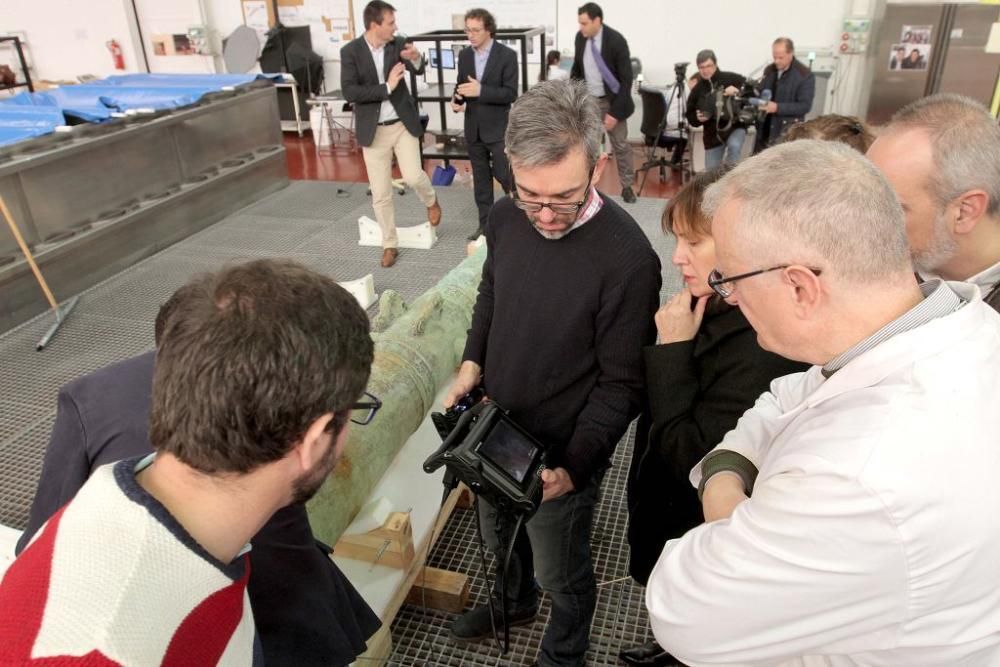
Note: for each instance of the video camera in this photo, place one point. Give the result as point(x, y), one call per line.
point(752, 101)
point(743, 109)
point(680, 72)
point(492, 455)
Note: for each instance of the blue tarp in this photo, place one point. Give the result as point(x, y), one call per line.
point(218, 80)
point(23, 120)
point(32, 114)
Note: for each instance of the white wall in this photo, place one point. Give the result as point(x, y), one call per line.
point(663, 32)
point(67, 38)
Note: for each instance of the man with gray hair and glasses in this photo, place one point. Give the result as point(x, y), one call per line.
point(566, 303)
point(942, 156)
point(849, 512)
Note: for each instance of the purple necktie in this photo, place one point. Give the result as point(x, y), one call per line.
point(602, 67)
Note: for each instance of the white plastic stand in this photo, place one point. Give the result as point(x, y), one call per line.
point(421, 237)
point(362, 289)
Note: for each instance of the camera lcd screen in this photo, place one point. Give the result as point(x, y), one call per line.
point(510, 451)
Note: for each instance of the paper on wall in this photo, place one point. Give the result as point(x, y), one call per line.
point(291, 15)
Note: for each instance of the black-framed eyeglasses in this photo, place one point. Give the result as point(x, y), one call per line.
point(724, 286)
point(363, 412)
point(558, 208)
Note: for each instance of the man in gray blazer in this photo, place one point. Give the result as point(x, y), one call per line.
point(372, 71)
point(487, 85)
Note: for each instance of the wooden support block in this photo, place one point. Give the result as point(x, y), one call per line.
point(442, 589)
point(465, 497)
point(390, 545)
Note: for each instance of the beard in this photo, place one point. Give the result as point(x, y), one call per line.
point(552, 236)
point(939, 249)
point(309, 483)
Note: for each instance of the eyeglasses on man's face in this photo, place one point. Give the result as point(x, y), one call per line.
point(363, 412)
point(558, 208)
point(561, 208)
point(724, 286)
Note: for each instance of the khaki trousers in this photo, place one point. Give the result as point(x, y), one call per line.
point(391, 139)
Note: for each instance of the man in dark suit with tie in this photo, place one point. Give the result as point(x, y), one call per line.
point(305, 611)
point(487, 85)
point(603, 61)
point(372, 72)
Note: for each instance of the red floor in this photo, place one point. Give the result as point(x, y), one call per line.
point(305, 164)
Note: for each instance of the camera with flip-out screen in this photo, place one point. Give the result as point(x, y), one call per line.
point(494, 457)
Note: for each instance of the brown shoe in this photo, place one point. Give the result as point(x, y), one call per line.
point(389, 256)
point(434, 214)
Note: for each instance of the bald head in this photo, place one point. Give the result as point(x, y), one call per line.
point(815, 239)
point(818, 202)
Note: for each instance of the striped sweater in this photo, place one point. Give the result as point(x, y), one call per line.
point(114, 579)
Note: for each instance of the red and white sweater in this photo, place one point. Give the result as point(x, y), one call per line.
point(113, 579)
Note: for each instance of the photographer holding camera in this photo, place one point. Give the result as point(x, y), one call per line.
point(710, 105)
point(565, 306)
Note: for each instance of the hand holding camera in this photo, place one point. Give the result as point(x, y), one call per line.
point(395, 75)
point(470, 88)
point(469, 376)
point(408, 52)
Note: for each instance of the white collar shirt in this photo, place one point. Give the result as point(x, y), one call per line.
point(386, 112)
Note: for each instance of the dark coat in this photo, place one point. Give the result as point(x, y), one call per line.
point(697, 101)
point(697, 391)
point(305, 610)
point(614, 50)
point(992, 297)
point(793, 94)
point(486, 115)
point(360, 85)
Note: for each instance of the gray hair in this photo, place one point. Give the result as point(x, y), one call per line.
point(965, 140)
point(786, 42)
point(817, 203)
point(550, 120)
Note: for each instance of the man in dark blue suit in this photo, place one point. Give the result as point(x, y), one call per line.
point(487, 86)
point(792, 86)
point(305, 610)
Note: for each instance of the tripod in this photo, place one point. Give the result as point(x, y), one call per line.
point(653, 129)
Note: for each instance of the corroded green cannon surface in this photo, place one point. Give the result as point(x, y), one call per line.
point(417, 349)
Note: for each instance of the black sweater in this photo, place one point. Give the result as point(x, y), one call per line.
point(559, 326)
point(698, 390)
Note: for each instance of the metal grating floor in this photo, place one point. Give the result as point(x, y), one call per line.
point(315, 223)
point(421, 637)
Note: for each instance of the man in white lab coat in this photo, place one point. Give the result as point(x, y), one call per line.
point(871, 534)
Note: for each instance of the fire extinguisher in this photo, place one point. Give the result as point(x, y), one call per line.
point(116, 54)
